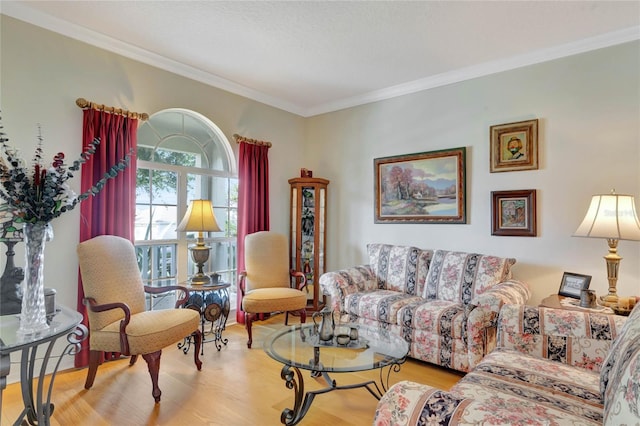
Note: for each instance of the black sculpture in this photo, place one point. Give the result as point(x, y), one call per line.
point(10, 290)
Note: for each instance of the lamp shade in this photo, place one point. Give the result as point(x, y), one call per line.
point(199, 217)
point(611, 216)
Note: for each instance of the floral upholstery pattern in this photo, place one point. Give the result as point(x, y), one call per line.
point(399, 268)
point(444, 303)
point(620, 374)
point(546, 370)
point(576, 338)
point(459, 276)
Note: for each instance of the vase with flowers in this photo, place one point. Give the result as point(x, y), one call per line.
point(37, 194)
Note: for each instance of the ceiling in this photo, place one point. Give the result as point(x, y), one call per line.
point(312, 57)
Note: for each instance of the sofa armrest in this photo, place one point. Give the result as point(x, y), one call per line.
point(511, 291)
point(577, 338)
point(338, 284)
point(482, 316)
point(410, 403)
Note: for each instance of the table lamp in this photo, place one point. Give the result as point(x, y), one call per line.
point(199, 218)
point(613, 217)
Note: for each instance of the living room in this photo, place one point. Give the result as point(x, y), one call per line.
point(587, 104)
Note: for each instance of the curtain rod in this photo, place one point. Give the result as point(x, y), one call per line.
point(83, 103)
point(239, 139)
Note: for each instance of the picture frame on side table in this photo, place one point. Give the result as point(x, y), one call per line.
point(427, 187)
point(514, 146)
point(514, 213)
point(572, 284)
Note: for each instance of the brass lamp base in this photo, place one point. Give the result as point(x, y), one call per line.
point(613, 265)
point(200, 255)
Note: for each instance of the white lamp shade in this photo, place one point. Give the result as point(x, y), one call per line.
point(199, 217)
point(611, 216)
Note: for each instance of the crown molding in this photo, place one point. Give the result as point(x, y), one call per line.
point(531, 58)
point(22, 12)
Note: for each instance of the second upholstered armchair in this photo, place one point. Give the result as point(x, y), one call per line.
point(266, 282)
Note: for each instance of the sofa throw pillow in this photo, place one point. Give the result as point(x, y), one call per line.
point(399, 268)
point(459, 277)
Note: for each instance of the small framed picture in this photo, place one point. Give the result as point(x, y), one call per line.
point(572, 284)
point(514, 146)
point(514, 213)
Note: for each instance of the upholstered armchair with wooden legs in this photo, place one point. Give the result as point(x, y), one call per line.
point(115, 300)
point(266, 282)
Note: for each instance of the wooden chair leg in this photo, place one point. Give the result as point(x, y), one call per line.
point(133, 359)
point(248, 318)
point(303, 315)
point(153, 363)
point(94, 361)
point(197, 338)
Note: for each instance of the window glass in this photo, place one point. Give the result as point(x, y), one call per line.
point(183, 156)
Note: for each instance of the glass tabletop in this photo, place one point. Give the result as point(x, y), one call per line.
point(61, 323)
point(299, 346)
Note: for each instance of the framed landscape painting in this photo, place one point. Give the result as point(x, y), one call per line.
point(514, 213)
point(427, 187)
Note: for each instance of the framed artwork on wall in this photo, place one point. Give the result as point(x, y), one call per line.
point(514, 213)
point(572, 284)
point(428, 187)
point(514, 146)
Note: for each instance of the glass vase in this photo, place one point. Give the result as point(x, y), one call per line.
point(33, 317)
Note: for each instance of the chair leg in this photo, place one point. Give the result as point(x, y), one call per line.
point(248, 318)
point(94, 361)
point(197, 338)
point(153, 363)
point(133, 359)
point(303, 315)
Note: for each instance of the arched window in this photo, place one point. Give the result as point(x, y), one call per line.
point(182, 156)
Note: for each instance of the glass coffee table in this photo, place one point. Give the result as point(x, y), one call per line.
point(299, 348)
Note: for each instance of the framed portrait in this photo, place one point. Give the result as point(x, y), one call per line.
point(514, 146)
point(428, 187)
point(572, 284)
point(514, 213)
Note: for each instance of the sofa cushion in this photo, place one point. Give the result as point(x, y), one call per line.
point(378, 305)
point(514, 388)
point(399, 268)
point(459, 276)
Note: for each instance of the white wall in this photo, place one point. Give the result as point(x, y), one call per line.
point(43, 73)
point(589, 142)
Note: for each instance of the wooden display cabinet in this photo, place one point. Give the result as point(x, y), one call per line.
point(308, 235)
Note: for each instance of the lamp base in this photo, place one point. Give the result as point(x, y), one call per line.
point(198, 279)
point(200, 255)
point(609, 300)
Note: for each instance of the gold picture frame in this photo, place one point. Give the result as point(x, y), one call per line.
point(428, 187)
point(514, 146)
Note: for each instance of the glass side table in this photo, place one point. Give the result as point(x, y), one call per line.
point(66, 322)
point(212, 302)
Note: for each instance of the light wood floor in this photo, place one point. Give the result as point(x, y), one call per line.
point(237, 386)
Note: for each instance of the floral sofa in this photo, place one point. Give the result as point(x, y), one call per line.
point(444, 303)
point(551, 367)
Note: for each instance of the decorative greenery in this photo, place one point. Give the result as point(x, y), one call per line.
point(38, 193)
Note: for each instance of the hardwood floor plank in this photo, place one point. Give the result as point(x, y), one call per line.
point(237, 386)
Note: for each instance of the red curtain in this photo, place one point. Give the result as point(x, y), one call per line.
point(112, 210)
point(253, 199)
